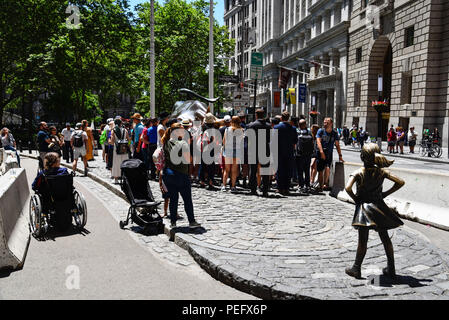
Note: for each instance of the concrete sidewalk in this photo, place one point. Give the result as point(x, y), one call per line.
point(407, 155)
point(298, 247)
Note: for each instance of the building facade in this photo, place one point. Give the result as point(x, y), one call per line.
point(399, 54)
point(240, 17)
point(292, 33)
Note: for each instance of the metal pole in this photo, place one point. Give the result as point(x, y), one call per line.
point(255, 98)
point(211, 55)
point(152, 65)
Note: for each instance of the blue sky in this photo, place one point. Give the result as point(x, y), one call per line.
point(218, 8)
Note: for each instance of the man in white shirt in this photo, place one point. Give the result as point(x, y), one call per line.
point(68, 150)
point(78, 143)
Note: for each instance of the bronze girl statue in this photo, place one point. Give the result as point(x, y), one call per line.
point(371, 212)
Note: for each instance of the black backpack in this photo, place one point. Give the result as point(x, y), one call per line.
point(304, 146)
point(78, 139)
point(121, 145)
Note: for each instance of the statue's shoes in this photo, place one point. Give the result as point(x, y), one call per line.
point(354, 272)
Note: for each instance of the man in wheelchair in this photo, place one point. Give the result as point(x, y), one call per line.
point(56, 200)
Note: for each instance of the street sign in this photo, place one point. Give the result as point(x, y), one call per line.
point(256, 73)
point(256, 66)
point(257, 59)
point(240, 99)
point(228, 78)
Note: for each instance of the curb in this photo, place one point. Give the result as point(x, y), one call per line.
point(393, 155)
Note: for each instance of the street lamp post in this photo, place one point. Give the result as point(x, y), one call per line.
point(152, 66)
point(211, 55)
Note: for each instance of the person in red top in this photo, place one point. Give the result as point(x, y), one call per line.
point(391, 138)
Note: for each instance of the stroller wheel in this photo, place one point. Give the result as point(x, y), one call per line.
point(122, 225)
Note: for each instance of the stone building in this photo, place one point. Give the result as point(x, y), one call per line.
point(240, 18)
point(399, 53)
point(314, 30)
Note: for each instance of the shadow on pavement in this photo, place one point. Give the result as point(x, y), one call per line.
point(53, 234)
point(385, 281)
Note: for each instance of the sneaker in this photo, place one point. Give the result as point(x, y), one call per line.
point(223, 189)
point(194, 224)
point(233, 190)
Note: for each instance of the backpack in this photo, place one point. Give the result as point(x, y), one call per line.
point(305, 146)
point(78, 139)
point(121, 144)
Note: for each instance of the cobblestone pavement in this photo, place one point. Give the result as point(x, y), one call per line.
point(295, 247)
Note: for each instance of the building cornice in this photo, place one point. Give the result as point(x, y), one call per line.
point(296, 28)
point(318, 5)
point(342, 27)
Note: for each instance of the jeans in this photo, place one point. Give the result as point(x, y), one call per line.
point(12, 149)
point(178, 183)
point(303, 166)
point(67, 151)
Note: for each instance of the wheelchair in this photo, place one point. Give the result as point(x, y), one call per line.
point(55, 204)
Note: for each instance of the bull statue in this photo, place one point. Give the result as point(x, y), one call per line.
point(192, 109)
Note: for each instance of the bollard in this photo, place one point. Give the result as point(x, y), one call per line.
point(29, 147)
point(20, 146)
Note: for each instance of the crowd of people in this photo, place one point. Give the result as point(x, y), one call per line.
point(304, 154)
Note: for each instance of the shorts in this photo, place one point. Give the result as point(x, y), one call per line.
point(322, 164)
point(412, 143)
point(391, 143)
point(77, 152)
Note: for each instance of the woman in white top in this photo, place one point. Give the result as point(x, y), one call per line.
point(233, 152)
point(117, 134)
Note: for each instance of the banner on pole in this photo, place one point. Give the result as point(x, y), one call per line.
point(302, 92)
point(277, 99)
point(284, 78)
point(292, 95)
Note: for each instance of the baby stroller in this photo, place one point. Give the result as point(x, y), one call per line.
point(137, 189)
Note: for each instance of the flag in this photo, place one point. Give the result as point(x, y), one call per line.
point(292, 95)
point(284, 78)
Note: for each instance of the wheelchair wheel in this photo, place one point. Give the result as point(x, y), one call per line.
point(81, 210)
point(38, 224)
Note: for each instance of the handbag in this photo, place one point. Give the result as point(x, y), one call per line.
point(159, 158)
point(122, 146)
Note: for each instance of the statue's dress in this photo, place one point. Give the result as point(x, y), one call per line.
point(371, 211)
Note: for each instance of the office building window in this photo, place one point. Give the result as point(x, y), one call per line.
point(357, 93)
point(409, 36)
point(358, 55)
point(406, 88)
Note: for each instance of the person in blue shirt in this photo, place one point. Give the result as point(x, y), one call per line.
point(287, 138)
point(326, 138)
point(43, 140)
point(150, 139)
point(138, 128)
